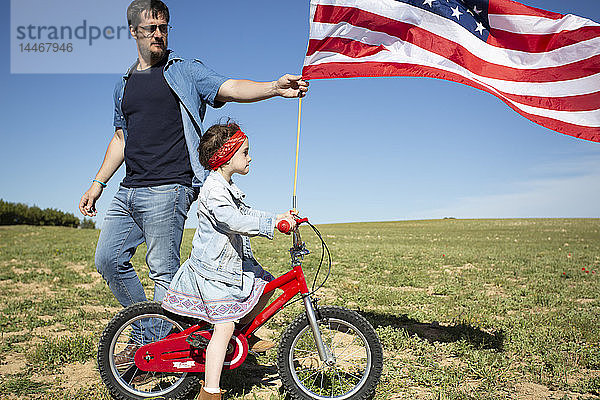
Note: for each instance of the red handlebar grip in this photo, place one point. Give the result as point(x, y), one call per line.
point(283, 226)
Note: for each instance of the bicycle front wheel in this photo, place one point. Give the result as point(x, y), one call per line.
point(356, 350)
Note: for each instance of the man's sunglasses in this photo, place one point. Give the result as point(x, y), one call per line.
point(149, 30)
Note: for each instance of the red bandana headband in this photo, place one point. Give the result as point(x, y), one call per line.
point(227, 151)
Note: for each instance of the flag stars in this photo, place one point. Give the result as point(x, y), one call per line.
point(456, 9)
point(480, 28)
point(456, 13)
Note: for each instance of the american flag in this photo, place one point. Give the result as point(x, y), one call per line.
point(544, 65)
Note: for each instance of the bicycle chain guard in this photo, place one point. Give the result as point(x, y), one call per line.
point(178, 352)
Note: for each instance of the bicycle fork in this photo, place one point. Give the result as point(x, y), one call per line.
point(324, 352)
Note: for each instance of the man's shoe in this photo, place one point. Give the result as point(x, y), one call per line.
point(125, 357)
point(141, 378)
point(258, 345)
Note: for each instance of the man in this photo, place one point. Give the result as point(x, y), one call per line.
point(159, 107)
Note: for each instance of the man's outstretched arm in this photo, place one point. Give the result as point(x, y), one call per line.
point(114, 157)
point(245, 91)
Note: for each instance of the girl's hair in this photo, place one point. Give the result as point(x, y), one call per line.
point(214, 138)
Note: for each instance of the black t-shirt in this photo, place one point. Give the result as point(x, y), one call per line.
point(155, 148)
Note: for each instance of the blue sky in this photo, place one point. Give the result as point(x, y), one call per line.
point(371, 149)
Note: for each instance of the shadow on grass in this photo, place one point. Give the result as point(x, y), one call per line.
point(434, 332)
point(249, 375)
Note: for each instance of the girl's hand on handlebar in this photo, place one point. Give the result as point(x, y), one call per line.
point(285, 223)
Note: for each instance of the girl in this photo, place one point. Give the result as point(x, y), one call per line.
point(222, 282)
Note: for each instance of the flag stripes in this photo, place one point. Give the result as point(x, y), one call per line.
point(541, 43)
point(552, 78)
point(510, 7)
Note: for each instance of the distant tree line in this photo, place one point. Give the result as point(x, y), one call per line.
point(22, 214)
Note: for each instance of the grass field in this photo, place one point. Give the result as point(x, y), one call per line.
point(465, 309)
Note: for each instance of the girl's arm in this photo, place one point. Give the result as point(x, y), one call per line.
point(257, 213)
point(229, 218)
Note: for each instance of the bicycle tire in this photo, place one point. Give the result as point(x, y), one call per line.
point(355, 346)
point(119, 378)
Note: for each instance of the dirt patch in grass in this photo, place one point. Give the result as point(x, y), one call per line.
point(534, 391)
point(327, 294)
point(12, 364)
point(44, 377)
point(87, 286)
point(451, 361)
point(585, 301)
point(457, 270)
point(27, 289)
point(466, 267)
point(76, 375)
point(108, 311)
point(401, 289)
point(77, 267)
point(416, 392)
point(83, 269)
point(494, 290)
point(54, 330)
point(95, 277)
point(22, 271)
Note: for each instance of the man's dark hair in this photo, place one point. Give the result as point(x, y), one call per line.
point(156, 8)
point(214, 138)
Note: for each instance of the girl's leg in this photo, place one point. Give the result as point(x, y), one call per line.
point(215, 353)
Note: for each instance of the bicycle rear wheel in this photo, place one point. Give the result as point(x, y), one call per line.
point(354, 345)
point(135, 326)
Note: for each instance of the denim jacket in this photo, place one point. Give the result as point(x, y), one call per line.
point(195, 85)
point(225, 223)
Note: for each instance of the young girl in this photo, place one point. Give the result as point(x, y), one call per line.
point(222, 282)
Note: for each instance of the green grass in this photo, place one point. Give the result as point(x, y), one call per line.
point(22, 385)
point(53, 353)
point(465, 309)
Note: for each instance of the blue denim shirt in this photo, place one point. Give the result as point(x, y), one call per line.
point(195, 85)
point(225, 223)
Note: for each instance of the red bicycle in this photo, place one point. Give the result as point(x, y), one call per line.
point(325, 353)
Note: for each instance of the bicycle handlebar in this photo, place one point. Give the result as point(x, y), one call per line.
point(284, 226)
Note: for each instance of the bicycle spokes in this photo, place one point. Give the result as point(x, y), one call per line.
point(346, 370)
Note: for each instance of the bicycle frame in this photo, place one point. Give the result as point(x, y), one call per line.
point(292, 283)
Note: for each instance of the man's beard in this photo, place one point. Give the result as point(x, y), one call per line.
point(153, 56)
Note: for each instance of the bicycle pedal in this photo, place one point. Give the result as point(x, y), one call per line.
point(195, 339)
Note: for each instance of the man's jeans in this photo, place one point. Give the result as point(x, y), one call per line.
point(155, 215)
